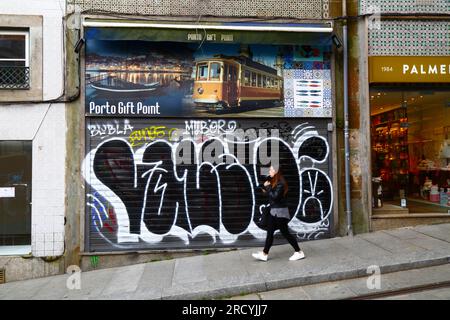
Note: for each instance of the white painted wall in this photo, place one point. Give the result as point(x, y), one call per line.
point(45, 125)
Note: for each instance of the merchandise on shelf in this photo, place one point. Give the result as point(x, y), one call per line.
point(390, 150)
point(444, 197)
point(434, 193)
point(448, 196)
point(426, 188)
point(426, 164)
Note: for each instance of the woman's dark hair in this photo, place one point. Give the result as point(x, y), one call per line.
point(278, 177)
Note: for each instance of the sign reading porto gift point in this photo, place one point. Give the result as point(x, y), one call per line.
point(183, 73)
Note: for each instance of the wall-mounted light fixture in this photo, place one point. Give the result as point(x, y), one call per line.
point(336, 41)
point(79, 45)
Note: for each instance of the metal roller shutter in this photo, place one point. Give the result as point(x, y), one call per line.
point(138, 195)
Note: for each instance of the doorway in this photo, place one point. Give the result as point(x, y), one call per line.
point(410, 133)
point(15, 196)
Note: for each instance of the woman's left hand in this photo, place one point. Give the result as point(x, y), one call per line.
point(266, 184)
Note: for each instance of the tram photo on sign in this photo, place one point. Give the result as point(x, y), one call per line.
point(205, 77)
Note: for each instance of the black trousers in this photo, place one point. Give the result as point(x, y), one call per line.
point(276, 223)
point(281, 224)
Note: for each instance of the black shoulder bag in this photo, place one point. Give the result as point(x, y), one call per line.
point(263, 220)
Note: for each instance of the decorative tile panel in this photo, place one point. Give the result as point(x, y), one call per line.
point(307, 85)
point(410, 38)
point(406, 6)
point(312, 9)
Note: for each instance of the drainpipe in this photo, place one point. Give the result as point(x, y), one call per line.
point(348, 205)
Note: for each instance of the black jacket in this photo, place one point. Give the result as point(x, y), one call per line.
point(276, 195)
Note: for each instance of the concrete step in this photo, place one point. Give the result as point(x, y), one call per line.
point(389, 209)
point(391, 284)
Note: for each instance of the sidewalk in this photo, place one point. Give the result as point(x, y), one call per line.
point(236, 272)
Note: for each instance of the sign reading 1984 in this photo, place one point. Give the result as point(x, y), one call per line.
point(387, 69)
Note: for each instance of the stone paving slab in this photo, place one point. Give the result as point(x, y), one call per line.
point(438, 231)
point(390, 243)
point(297, 293)
point(252, 296)
point(154, 279)
point(438, 294)
point(92, 284)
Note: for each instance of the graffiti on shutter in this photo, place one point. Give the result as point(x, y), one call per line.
point(191, 183)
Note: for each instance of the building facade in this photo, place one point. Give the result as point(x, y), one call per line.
point(403, 109)
point(32, 139)
point(178, 112)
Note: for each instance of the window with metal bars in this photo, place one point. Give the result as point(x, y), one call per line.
point(14, 60)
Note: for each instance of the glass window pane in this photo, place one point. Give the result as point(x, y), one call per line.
point(215, 71)
point(225, 71)
point(410, 137)
point(12, 63)
point(12, 46)
point(232, 73)
point(202, 72)
point(15, 182)
point(247, 78)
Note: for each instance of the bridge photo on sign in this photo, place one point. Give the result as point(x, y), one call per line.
point(205, 77)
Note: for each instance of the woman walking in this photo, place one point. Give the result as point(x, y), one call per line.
point(277, 189)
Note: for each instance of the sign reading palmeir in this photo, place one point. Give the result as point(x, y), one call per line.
point(409, 69)
point(158, 72)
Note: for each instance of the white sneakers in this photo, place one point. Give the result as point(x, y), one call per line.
point(260, 256)
point(297, 256)
point(263, 257)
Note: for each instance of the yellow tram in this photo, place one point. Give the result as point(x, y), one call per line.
point(227, 81)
